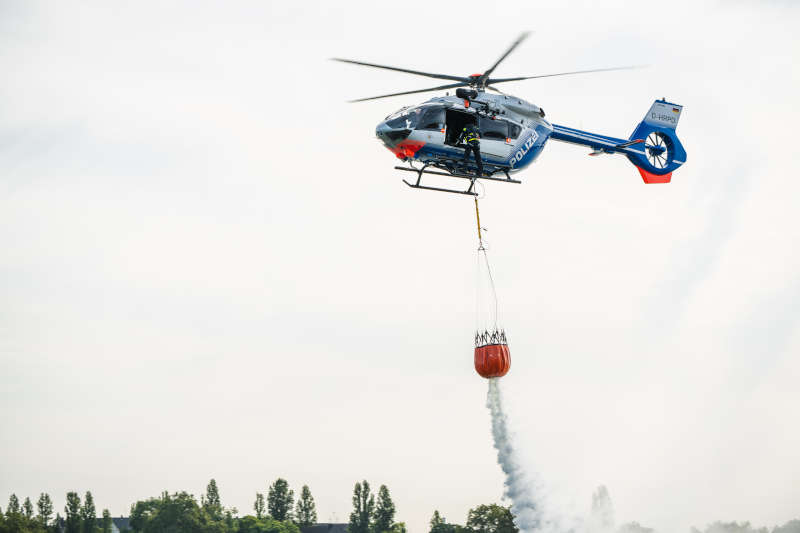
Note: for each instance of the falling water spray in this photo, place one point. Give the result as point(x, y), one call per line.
point(519, 489)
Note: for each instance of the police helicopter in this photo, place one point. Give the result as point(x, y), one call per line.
point(513, 132)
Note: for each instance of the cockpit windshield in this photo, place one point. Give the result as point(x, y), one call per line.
point(426, 117)
point(405, 118)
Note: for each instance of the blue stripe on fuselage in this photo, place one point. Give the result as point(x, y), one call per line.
point(563, 133)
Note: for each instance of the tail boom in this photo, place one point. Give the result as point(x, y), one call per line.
point(653, 148)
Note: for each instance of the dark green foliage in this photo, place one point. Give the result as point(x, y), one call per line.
point(289, 527)
point(176, 513)
point(27, 509)
point(450, 528)
point(436, 520)
point(106, 524)
point(383, 516)
point(180, 513)
point(13, 506)
point(306, 511)
point(141, 512)
point(491, 519)
point(230, 520)
point(88, 514)
point(211, 501)
point(21, 520)
point(363, 507)
point(280, 500)
point(259, 506)
point(45, 507)
point(251, 524)
point(72, 522)
point(14, 520)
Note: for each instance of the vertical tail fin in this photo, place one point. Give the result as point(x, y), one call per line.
point(658, 151)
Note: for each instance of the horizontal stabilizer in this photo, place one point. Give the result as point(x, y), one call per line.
point(630, 143)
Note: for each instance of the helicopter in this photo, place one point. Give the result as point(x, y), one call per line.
point(513, 132)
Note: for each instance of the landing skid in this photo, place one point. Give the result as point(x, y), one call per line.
point(450, 168)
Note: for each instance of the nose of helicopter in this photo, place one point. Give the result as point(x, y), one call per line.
point(391, 137)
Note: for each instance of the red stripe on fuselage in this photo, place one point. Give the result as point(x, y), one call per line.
point(406, 149)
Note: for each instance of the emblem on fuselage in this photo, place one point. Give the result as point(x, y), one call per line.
point(524, 149)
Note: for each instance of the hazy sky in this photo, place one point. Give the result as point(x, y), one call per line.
point(210, 269)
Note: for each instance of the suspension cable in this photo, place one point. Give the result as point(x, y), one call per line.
point(482, 249)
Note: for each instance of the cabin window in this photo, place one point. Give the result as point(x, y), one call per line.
point(493, 129)
point(514, 131)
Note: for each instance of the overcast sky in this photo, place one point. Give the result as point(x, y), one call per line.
point(208, 267)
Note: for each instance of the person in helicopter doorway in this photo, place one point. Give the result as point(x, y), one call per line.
point(472, 138)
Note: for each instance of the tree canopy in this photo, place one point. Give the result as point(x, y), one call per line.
point(306, 511)
point(13, 505)
point(383, 516)
point(73, 513)
point(107, 522)
point(88, 514)
point(259, 507)
point(363, 507)
point(280, 500)
point(211, 501)
point(491, 519)
point(27, 509)
point(45, 508)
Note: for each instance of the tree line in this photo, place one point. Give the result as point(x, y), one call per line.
point(178, 512)
point(491, 518)
point(278, 512)
point(79, 517)
point(273, 512)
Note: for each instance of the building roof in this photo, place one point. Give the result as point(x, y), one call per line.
point(325, 528)
point(122, 523)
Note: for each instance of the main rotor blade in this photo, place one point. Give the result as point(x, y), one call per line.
point(511, 48)
point(451, 86)
point(495, 89)
point(407, 71)
point(503, 80)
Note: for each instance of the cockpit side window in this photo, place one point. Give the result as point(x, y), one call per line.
point(432, 119)
point(514, 131)
point(493, 129)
